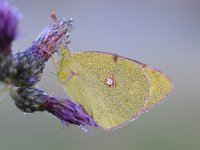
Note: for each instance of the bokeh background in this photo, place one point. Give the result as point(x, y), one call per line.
point(163, 34)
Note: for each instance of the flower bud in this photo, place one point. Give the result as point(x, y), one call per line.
point(30, 99)
point(8, 26)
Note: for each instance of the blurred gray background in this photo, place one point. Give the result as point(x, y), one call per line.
point(163, 34)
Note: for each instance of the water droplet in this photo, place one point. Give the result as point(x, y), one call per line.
point(85, 129)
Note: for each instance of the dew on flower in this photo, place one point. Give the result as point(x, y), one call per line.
point(85, 129)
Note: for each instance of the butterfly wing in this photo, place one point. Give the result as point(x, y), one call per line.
point(161, 86)
point(111, 89)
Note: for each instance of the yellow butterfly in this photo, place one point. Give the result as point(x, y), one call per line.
point(112, 89)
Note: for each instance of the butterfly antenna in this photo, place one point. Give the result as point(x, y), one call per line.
point(64, 36)
point(54, 17)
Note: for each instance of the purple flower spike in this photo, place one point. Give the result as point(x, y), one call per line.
point(68, 112)
point(25, 68)
point(30, 99)
point(8, 26)
point(51, 38)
